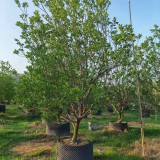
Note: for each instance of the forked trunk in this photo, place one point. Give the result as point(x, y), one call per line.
point(58, 118)
point(121, 116)
point(75, 132)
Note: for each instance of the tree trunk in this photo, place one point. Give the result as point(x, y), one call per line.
point(121, 115)
point(156, 114)
point(141, 119)
point(58, 118)
point(75, 133)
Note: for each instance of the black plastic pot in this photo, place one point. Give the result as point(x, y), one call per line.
point(98, 113)
point(145, 113)
point(110, 109)
point(66, 152)
point(59, 130)
point(127, 107)
point(85, 117)
point(32, 113)
point(120, 126)
point(2, 108)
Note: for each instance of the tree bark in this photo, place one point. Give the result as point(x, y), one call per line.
point(121, 115)
point(141, 118)
point(75, 133)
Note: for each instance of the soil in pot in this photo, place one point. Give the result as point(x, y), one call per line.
point(127, 107)
point(83, 150)
point(119, 126)
point(2, 108)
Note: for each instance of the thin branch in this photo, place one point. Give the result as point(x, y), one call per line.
point(93, 81)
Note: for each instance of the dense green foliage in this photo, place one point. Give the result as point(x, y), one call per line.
point(76, 51)
point(71, 45)
point(7, 82)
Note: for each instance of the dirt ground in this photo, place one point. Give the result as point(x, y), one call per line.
point(137, 124)
point(151, 148)
point(37, 147)
point(44, 147)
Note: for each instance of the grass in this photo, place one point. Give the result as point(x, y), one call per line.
point(16, 130)
point(13, 128)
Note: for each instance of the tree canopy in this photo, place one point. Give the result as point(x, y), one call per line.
point(7, 82)
point(73, 46)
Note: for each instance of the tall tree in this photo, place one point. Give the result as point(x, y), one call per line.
point(73, 40)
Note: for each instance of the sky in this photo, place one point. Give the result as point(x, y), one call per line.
point(145, 14)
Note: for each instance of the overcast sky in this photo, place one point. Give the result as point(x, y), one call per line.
point(145, 13)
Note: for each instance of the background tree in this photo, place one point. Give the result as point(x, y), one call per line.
point(27, 94)
point(120, 80)
point(7, 82)
point(150, 69)
point(38, 94)
point(144, 72)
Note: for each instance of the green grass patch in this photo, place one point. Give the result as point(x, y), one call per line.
point(16, 128)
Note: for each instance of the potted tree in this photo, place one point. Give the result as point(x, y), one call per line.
point(26, 96)
point(149, 99)
point(119, 83)
point(30, 94)
point(119, 100)
point(71, 40)
point(54, 125)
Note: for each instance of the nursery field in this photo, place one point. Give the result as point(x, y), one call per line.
point(23, 138)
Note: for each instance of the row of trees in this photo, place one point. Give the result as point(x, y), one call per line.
point(81, 60)
point(7, 82)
